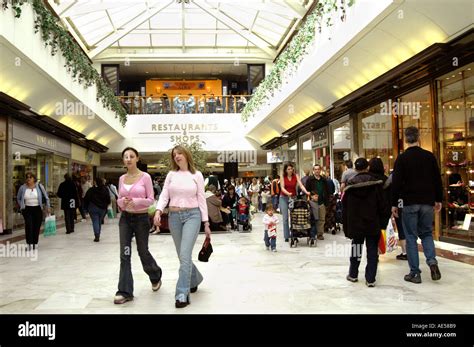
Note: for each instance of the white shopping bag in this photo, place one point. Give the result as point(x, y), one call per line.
point(390, 237)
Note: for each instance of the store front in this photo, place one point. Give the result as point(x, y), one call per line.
point(3, 173)
point(46, 155)
point(320, 146)
point(341, 145)
point(83, 162)
point(305, 160)
point(456, 137)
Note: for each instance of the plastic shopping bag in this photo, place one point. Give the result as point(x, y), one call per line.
point(50, 226)
point(110, 212)
point(390, 237)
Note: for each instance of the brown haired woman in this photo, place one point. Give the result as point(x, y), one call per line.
point(135, 196)
point(184, 190)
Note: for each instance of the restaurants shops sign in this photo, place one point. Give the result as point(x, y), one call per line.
point(216, 132)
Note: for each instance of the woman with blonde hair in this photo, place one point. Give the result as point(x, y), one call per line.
point(184, 191)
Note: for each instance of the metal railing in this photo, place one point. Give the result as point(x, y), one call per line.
point(175, 104)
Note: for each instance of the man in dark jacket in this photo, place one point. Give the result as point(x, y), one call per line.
point(67, 191)
point(363, 206)
point(417, 187)
point(317, 183)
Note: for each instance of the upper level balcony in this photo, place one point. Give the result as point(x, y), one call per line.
point(178, 104)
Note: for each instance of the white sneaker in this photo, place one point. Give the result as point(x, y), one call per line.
point(274, 250)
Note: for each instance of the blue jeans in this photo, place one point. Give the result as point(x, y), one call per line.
point(275, 199)
point(285, 215)
point(138, 224)
point(418, 222)
point(184, 227)
point(97, 214)
point(270, 241)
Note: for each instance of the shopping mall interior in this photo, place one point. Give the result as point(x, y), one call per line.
point(251, 85)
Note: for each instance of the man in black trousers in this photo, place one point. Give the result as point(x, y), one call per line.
point(67, 191)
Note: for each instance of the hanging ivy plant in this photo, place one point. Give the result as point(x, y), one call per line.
point(77, 63)
point(289, 60)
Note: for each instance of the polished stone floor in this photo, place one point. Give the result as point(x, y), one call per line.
point(73, 274)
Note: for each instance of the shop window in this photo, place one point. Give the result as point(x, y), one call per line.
point(341, 147)
point(456, 134)
point(414, 109)
point(377, 135)
point(306, 153)
point(24, 160)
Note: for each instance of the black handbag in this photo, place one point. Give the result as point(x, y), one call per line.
point(205, 251)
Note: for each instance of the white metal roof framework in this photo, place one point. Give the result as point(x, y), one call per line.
point(174, 30)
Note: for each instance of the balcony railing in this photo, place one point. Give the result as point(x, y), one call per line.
point(184, 104)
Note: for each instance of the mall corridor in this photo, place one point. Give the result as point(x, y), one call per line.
point(74, 275)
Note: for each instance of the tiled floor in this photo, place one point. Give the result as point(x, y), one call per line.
point(72, 274)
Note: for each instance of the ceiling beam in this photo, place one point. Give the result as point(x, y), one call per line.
point(295, 8)
point(257, 41)
point(133, 24)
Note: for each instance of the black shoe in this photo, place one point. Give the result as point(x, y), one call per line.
point(181, 304)
point(414, 278)
point(68, 232)
point(292, 242)
point(194, 289)
point(97, 238)
point(402, 256)
point(311, 242)
point(351, 279)
point(435, 274)
point(286, 240)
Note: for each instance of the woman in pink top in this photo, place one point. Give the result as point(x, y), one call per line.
point(135, 196)
point(184, 191)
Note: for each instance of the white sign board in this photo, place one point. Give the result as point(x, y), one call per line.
point(158, 133)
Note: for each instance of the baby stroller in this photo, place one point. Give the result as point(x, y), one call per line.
point(300, 218)
point(243, 218)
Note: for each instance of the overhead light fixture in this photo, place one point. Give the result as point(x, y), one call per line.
point(285, 136)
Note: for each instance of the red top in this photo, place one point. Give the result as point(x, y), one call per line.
point(242, 209)
point(290, 185)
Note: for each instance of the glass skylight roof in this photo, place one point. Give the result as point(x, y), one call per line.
point(102, 25)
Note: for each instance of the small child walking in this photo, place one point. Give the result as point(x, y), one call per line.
point(270, 221)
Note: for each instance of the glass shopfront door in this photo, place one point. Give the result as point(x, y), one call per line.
point(341, 145)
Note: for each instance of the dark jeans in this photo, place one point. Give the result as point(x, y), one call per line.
point(139, 225)
point(314, 230)
point(97, 215)
point(228, 219)
point(269, 241)
point(33, 216)
point(372, 257)
point(82, 210)
point(69, 214)
point(398, 221)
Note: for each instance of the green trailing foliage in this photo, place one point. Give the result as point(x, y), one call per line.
point(77, 63)
point(293, 54)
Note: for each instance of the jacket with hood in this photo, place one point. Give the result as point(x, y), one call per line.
point(363, 206)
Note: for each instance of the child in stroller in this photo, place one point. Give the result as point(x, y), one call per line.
point(243, 215)
point(300, 221)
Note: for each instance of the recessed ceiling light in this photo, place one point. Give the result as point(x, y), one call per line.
point(146, 71)
point(453, 76)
